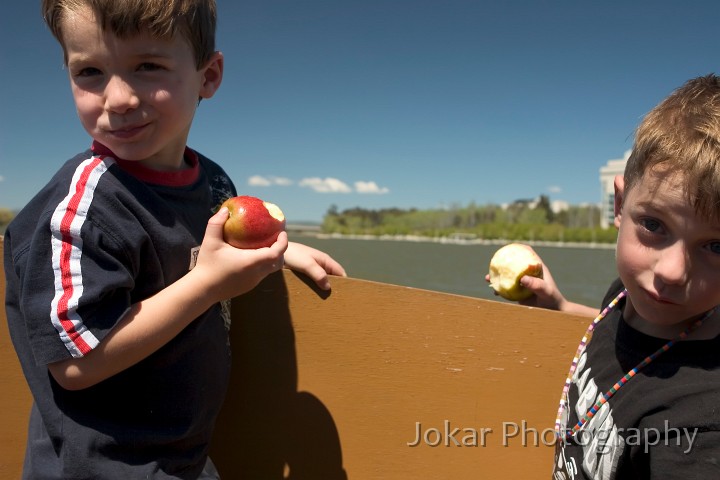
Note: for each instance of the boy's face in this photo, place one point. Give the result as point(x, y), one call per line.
point(667, 257)
point(136, 95)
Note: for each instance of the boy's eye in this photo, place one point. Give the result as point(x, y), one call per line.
point(149, 67)
point(714, 247)
point(88, 72)
point(650, 224)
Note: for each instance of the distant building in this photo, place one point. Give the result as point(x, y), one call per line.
point(607, 188)
point(558, 206)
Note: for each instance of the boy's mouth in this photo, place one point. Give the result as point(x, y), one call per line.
point(126, 132)
point(659, 298)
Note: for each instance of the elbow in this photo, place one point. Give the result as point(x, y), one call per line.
point(71, 375)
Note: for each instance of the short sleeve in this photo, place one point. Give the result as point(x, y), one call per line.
point(74, 290)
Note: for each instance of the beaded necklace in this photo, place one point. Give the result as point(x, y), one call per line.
point(604, 398)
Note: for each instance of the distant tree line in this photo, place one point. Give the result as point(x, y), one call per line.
point(529, 220)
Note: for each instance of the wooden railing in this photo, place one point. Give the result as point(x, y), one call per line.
point(334, 386)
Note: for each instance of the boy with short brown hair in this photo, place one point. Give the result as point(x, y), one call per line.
point(118, 278)
point(641, 397)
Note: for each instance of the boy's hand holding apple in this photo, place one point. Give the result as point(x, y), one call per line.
point(508, 265)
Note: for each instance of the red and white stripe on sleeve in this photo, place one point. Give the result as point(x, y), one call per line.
point(67, 251)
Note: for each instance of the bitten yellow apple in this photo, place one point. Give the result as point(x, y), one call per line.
point(509, 264)
point(252, 223)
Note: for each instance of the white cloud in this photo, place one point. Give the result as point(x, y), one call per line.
point(325, 185)
point(260, 181)
point(2, 178)
point(554, 189)
point(319, 185)
point(370, 187)
point(282, 181)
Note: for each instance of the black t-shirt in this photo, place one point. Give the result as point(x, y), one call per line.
point(102, 235)
point(663, 423)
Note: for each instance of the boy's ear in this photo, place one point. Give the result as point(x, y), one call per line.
point(619, 185)
point(212, 73)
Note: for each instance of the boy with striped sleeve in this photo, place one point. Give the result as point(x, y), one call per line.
point(118, 277)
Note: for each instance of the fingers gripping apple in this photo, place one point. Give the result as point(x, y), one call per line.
point(509, 264)
point(252, 223)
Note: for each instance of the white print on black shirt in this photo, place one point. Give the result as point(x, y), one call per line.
point(601, 443)
point(221, 189)
point(193, 257)
point(227, 318)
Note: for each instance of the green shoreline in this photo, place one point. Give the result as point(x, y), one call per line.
point(458, 240)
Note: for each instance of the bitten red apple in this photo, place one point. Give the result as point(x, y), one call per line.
point(252, 223)
point(509, 264)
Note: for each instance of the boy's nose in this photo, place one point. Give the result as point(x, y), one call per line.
point(120, 96)
point(673, 264)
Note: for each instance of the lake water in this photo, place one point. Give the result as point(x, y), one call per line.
point(583, 274)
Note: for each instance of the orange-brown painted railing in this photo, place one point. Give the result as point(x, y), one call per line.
point(338, 386)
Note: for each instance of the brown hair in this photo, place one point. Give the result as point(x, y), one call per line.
point(195, 20)
point(682, 135)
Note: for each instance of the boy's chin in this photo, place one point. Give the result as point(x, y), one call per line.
point(662, 321)
point(124, 151)
point(132, 153)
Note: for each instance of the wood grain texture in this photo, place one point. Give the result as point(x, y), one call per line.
point(332, 386)
point(15, 399)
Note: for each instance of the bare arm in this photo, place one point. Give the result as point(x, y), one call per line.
point(222, 272)
point(547, 295)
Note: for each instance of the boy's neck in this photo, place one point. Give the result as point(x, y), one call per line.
point(707, 331)
point(176, 178)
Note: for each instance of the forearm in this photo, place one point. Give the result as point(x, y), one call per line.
point(221, 272)
point(578, 309)
point(145, 328)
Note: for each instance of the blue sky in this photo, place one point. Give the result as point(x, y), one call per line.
point(392, 103)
